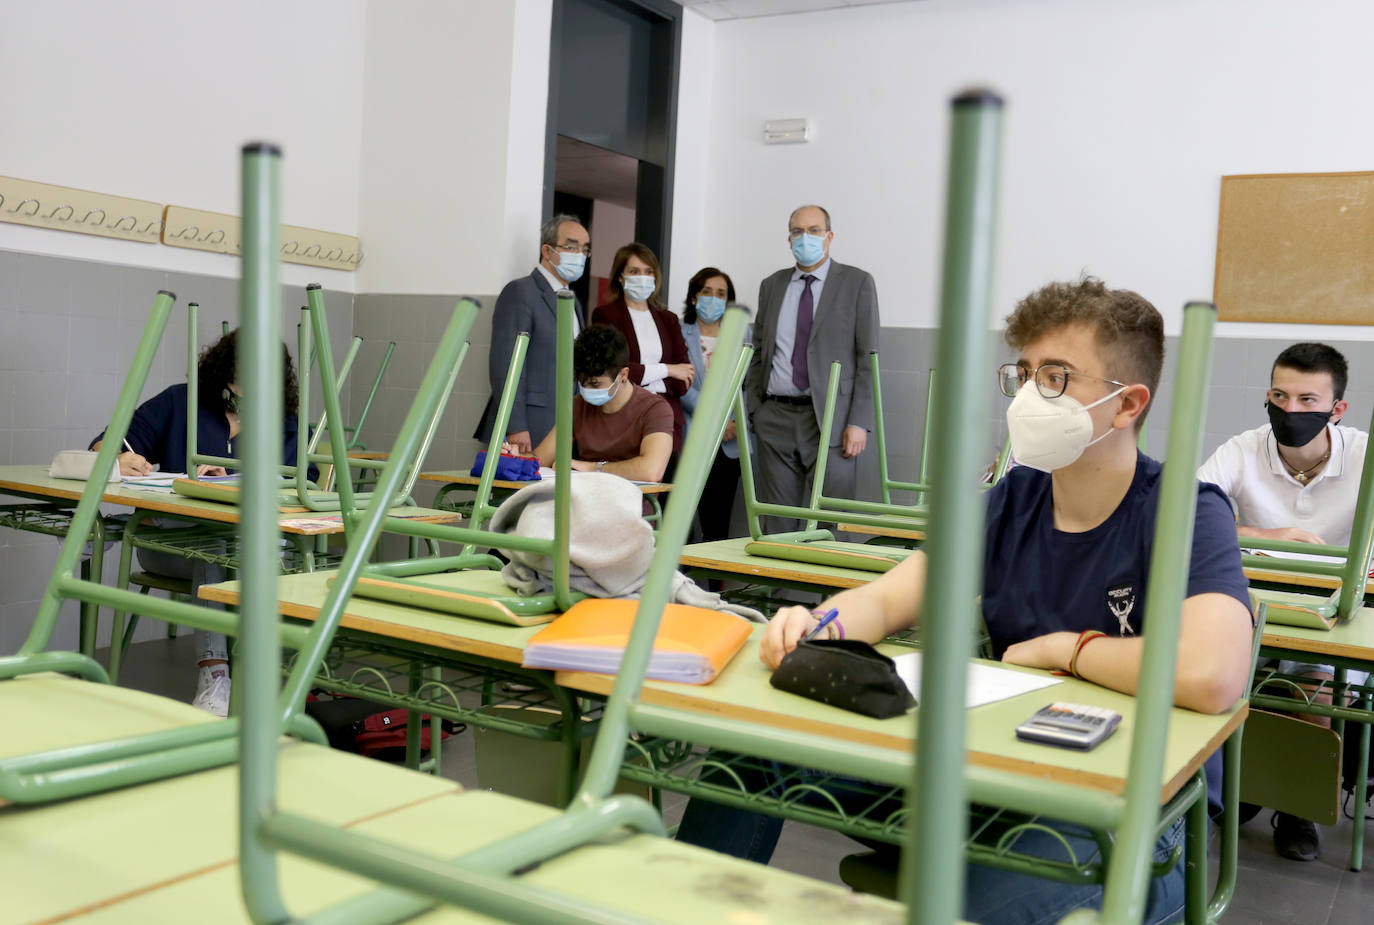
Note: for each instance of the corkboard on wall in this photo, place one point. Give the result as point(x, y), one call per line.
point(1296, 248)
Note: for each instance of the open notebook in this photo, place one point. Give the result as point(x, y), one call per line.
point(692, 646)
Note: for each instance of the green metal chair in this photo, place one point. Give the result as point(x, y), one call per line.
point(297, 487)
point(91, 763)
point(887, 484)
point(469, 583)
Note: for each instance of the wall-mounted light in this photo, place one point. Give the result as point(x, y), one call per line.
point(786, 132)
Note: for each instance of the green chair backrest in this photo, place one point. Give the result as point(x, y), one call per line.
point(482, 883)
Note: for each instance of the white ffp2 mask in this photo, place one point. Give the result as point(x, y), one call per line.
point(1050, 433)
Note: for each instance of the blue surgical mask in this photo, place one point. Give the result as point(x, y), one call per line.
point(571, 265)
point(639, 288)
point(808, 249)
point(710, 308)
point(598, 397)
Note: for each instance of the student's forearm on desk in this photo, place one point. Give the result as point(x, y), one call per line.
point(1213, 661)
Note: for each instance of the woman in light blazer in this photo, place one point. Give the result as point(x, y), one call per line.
point(709, 291)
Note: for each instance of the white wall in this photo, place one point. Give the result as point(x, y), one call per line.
point(1121, 119)
point(692, 247)
point(153, 98)
point(453, 143)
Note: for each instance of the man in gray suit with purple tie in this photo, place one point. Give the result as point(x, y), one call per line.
point(809, 316)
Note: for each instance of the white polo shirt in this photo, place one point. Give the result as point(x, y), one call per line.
point(1248, 469)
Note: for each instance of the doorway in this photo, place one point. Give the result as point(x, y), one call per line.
point(613, 72)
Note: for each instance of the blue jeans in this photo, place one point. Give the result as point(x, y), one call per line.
point(992, 896)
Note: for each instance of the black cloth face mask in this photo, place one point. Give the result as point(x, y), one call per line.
point(1296, 428)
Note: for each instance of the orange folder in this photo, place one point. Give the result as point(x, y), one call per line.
point(692, 646)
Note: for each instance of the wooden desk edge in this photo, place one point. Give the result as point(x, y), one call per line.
point(458, 478)
point(382, 628)
point(779, 572)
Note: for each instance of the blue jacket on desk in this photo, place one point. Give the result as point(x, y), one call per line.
point(692, 334)
point(157, 431)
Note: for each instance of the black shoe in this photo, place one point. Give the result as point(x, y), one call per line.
point(1296, 839)
point(1246, 812)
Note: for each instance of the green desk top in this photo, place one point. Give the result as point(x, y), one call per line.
point(301, 596)
point(166, 852)
point(742, 692)
point(727, 557)
point(1353, 638)
point(47, 711)
point(34, 481)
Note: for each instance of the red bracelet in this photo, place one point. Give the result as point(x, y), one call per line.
point(1084, 638)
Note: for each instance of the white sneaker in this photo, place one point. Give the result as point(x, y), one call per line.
point(212, 690)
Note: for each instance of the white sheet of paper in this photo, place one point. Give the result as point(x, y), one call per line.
point(1299, 556)
point(986, 683)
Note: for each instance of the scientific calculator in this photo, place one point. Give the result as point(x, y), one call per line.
point(1069, 725)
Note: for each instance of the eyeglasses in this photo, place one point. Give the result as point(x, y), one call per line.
point(815, 231)
point(1051, 379)
point(572, 248)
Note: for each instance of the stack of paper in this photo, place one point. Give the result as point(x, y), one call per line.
point(692, 646)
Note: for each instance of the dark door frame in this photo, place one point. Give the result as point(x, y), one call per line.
point(668, 16)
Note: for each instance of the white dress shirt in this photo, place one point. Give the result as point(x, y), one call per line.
point(557, 283)
point(650, 350)
point(780, 377)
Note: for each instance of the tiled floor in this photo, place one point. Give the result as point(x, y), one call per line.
point(1269, 891)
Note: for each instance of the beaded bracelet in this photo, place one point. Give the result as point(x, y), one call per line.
point(834, 629)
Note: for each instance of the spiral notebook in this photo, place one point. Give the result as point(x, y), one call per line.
point(692, 646)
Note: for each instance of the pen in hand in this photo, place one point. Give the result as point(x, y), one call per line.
point(824, 622)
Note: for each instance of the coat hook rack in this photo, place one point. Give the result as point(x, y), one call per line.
point(43, 205)
point(219, 233)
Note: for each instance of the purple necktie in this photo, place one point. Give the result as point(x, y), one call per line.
point(800, 377)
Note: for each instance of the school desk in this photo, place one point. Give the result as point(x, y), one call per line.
point(742, 693)
point(727, 559)
point(404, 648)
point(52, 502)
point(167, 852)
point(1348, 646)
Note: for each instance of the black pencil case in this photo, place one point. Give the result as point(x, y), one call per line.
point(845, 673)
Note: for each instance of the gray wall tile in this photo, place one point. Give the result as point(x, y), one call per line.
point(40, 399)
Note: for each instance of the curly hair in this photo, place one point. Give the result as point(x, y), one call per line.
point(689, 311)
point(634, 249)
point(1128, 329)
point(600, 350)
point(218, 367)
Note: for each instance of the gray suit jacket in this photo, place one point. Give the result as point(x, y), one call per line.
point(845, 329)
point(526, 304)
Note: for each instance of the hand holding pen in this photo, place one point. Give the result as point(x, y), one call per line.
point(831, 616)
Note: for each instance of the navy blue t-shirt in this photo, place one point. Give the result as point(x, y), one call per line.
point(157, 431)
point(1040, 580)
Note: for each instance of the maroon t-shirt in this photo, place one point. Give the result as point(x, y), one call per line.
point(598, 436)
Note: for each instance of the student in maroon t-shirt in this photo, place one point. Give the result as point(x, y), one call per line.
point(618, 427)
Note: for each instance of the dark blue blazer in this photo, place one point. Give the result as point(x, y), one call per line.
point(157, 431)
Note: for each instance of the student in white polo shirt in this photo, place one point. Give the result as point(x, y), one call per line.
point(1296, 478)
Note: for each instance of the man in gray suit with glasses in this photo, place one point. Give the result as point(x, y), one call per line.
point(529, 304)
point(809, 316)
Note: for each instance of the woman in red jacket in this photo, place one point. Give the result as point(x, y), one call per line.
point(658, 354)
